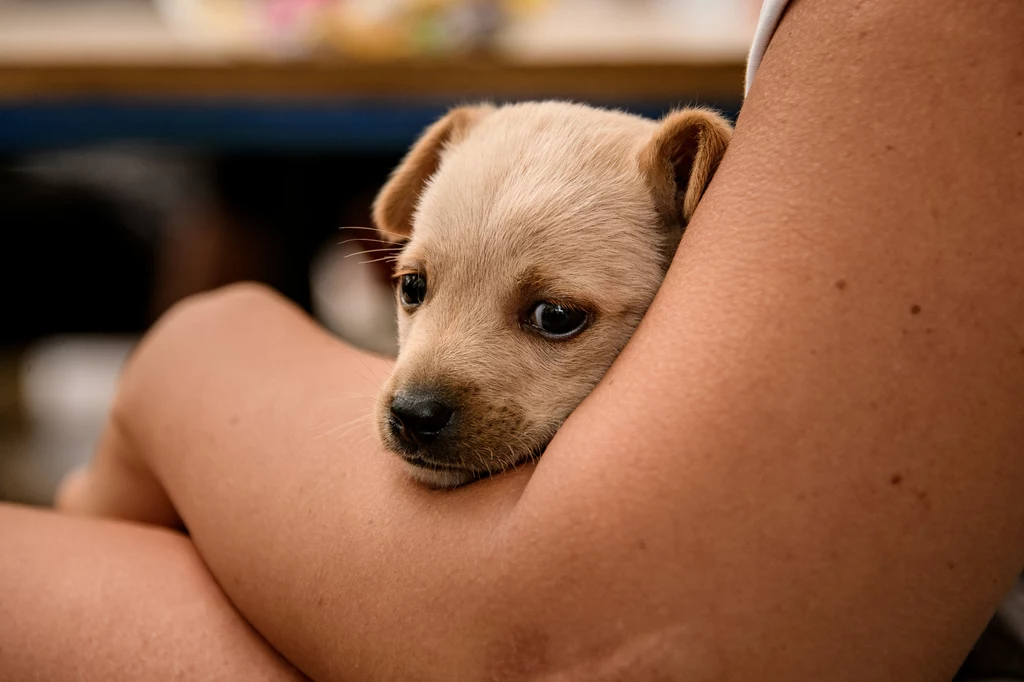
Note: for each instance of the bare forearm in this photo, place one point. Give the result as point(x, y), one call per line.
point(87, 599)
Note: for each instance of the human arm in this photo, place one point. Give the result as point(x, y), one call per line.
point(807, 461)
point(92, 599)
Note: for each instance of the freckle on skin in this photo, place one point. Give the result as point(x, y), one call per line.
point(841, 285)
point(950, 565)
point(915, 309)
point(889, 147)
point(896, 479)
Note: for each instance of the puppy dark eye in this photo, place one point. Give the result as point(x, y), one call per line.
point(412, 289)
point(556, 321)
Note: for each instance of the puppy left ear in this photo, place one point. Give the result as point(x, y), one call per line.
point(395, 205)
point(680, 159)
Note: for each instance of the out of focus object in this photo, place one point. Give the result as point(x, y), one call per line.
point(124, 57)
point(408, 28)
point(350, 299)
point(67, 385)
point(365, 29)
point(231, 22)
point(542, 29)
point(633, 31)
point(97, 31)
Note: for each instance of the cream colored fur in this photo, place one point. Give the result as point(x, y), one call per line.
point(503, 207)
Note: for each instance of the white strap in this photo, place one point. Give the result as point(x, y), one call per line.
point(771, 12)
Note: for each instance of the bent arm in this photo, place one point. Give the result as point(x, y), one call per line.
point(807, 460)
point(88, 599)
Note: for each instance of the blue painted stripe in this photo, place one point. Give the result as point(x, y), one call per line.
point(333, 125)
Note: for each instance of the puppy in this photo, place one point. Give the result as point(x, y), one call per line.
point(535, 237)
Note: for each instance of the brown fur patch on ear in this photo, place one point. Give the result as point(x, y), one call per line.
point(680, 159)
point(396, 202)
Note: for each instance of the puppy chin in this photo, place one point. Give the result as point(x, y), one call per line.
point(434, 476)
point(439, 479)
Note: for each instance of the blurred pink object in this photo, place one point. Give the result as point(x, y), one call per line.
point(285, 13)
point(292, 24)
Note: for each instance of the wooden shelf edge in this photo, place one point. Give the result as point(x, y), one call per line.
point(443, 79)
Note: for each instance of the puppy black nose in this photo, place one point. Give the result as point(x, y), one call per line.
point(419, 418)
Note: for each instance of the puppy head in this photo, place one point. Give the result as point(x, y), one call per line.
point(536, 237)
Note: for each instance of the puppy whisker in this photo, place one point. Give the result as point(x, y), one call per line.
point(341, 435)
point(346, 426)
point(383, 375)
point(375, 230)
point(356, 446)
point(390, 249)
point(370, 239)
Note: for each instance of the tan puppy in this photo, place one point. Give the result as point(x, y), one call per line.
point(536, 236)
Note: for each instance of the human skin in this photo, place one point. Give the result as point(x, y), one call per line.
point(85, 599)
point(806, 464)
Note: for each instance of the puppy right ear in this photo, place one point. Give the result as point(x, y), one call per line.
point(680, 159)
point(396, 202)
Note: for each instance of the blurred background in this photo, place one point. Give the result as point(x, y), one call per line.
point(152, 149)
